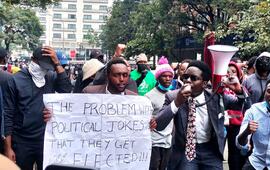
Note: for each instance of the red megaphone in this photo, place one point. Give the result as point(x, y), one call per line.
point(221, 55)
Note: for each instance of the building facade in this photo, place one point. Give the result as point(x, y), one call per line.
point(67, 24)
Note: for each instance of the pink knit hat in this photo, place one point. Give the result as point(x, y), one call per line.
point(163, 67)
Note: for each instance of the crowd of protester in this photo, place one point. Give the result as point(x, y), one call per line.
point(189, 124)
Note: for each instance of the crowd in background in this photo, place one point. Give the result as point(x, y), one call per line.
point(181, 139)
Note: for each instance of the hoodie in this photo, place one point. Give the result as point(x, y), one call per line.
point(236, 116)
point(255, 84)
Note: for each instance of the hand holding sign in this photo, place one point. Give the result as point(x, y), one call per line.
point(153, 124)
point(47, 114)
point(98, 131)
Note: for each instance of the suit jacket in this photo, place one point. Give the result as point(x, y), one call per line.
point(101, 89)
point(215, 114)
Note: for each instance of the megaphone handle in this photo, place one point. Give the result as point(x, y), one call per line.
point(216, 80)
point(218, 90)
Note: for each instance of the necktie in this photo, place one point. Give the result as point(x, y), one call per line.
point(191, 131)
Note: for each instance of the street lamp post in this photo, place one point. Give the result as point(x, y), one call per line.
point(63, 39)
point(81, 51)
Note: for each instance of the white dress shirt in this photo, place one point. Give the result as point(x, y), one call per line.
point(202, 122)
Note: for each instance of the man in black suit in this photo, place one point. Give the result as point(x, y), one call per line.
point(209, 121)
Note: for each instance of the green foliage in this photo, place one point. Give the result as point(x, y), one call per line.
point(252, 31)
point(19, 26)
point(144, 27)
point(92, 38)
point(154, 29)
point(203, 15)
point(118, 28)
point(32, 3)
point(154, 26)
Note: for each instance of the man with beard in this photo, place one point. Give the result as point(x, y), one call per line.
point(117, 76)
point(144, 78)
point(23, 107)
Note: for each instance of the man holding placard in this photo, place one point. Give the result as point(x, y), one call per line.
point(106, 130)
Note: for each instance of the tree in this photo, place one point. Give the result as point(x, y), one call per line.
point(118, 28)
point(19, 26)
point(92, 38)
point(154, 28)
point(32, 3)
point(252, 31)
point(200, 16)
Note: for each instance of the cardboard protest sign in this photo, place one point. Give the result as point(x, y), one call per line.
point(98, 131)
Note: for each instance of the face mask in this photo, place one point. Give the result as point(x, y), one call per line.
point(164, 88)
point(142, 67)
point(37, 74)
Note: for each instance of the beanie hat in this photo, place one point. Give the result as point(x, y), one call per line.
point(141, 57)
point(163, 60)
point(91, 67)
point(163, 67)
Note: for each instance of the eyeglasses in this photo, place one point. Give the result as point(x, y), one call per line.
point(192, 77)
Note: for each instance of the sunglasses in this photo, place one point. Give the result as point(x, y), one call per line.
point(192, 77)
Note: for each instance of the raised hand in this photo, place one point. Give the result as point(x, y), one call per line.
point(252, 126)
point(120, 48)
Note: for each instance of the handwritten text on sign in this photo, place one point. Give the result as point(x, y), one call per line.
point(98, 131)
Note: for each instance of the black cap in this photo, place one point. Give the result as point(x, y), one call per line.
point(3, 53)
point(45, 62)
point(96, 54)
